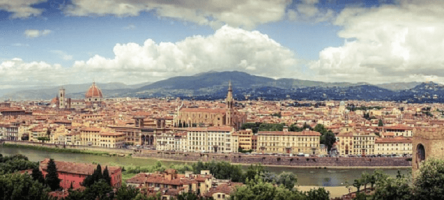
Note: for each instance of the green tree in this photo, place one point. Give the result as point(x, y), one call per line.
point(430, 180)
point(124, 193)
point(357, 184)
point(37, 175)
point(52, 178)
point(43, 139)
point(22, 187)
point(287, 179)
point(318, 194)
point(106, 176)
point(380, 123)
point(393, 189)
point(329, 139)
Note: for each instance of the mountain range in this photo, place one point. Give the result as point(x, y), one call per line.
point(213, 85)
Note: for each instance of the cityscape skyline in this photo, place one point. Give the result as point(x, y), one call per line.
point(62, 42)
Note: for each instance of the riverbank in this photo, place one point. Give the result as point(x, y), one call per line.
point(241, 159)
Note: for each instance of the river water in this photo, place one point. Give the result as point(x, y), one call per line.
point(307, 177)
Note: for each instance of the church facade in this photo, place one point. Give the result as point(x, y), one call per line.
point(198, 117)
point(93, 99)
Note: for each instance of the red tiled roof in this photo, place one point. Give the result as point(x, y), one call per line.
point(76, 168)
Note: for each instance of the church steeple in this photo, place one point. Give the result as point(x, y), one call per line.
point(230, 105)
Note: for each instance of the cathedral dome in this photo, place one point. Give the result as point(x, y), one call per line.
point(93, 92)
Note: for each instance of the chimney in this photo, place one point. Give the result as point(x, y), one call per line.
point(285, 129)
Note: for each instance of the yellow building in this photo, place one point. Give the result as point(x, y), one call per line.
point(101, 138)
point(37, 132)
point(245, 139)
point(397, 145)
point(73, 138)
point(112, 140)
point(349, 141)
point(307, 142)
point(58, 135)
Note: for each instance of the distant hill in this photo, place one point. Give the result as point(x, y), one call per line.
point(398, 86)
point(213, 85)
point(72, 90)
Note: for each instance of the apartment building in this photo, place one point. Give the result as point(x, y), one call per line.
point(397, 130)
point(398, 145)
point(245, 139)
point(212, 139)
point(352, 142)
point(307, 142)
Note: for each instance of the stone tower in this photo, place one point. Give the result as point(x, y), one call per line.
point(230, 106)
point(62, 100)
point(428, 142)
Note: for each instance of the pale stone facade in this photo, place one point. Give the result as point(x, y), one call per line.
point(307, 142)
point(389, 146)
point(428, 142)
point(212, 139)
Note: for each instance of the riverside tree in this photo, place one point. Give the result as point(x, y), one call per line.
point(52, 178)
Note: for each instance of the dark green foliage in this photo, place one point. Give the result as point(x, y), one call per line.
point(318, 194)
point(329, 139)
point(278, 114)
point(220, 170)
point(38, 176)
point(43, 139)
point(98, 191)
point(124, 193)
point(95, 177)
point(21, 187)
point(106, 176)
point(430, 182)
point(10, 164)
point(52, 178)
point(380, 123)
point(364, 108)
point(271, 127)
point(287, 179)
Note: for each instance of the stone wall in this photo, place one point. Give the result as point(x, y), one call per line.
point(78, 147)
point(284, 161)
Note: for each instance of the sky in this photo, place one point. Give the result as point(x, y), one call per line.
point(57, 42)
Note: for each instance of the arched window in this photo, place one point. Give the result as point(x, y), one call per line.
point(420, 153)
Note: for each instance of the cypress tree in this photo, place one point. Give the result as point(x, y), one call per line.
point(106, 176)
point(98, 173)
point(52, 178)
point(37, 175)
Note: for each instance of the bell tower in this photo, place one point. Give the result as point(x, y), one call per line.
point(230, 104)
point(62, 100)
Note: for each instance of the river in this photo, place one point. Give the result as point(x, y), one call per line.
point(306, 177)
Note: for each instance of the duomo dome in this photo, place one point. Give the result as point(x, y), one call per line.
point(93, 92)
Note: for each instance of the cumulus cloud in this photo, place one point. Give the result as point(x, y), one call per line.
point(16, 72)
point(307, 10)
point(33, 33)
point(385, 44)
point(245, 13)
point(227, 49)
point(21, 8)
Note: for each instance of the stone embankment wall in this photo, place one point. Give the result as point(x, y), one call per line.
point(78, 147)
point(283, 160)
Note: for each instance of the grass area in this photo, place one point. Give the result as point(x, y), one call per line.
point(61, 150)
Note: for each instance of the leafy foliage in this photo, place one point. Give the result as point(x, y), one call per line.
point(22, 187)
point(10, 164)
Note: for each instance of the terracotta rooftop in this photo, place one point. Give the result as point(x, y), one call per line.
point(289, 133)
point(76, 168)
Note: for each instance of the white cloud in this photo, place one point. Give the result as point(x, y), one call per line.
point(245, 13)
point(21, 8)
point(33, 33)
point(307, 10)
point(386, 44)
point(63, 55)
point(227, 49)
